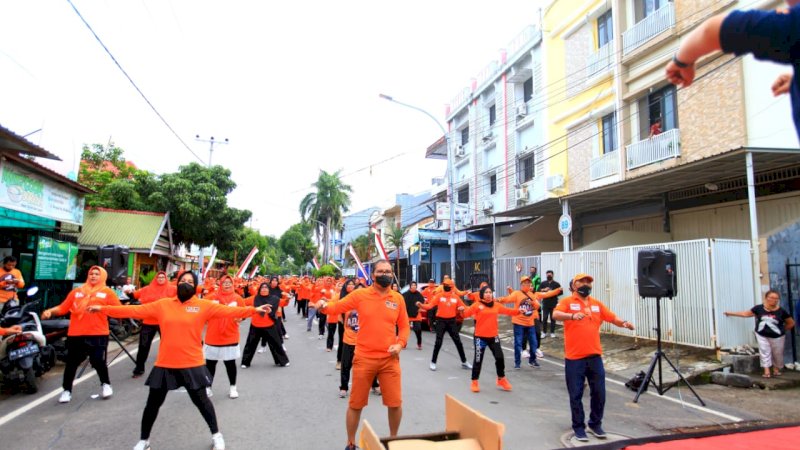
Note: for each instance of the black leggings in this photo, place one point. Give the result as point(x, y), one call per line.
point(146, 335)
point(481, 343)
point(230, 367)
point(332, 327)
point(156, 398)
point(451, 326)
point(273, 340)
point(303, 306)
point(416, 325)
point(78, 349)
point(348, 352)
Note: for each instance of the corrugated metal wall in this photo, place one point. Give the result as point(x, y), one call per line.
point(507, 275)
point(732, 276)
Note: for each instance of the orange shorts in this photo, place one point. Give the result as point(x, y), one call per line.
point(388, 372)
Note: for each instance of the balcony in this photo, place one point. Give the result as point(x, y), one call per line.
point(664, 146)
point(601, 60)
point(605, 165)
point(662, 19)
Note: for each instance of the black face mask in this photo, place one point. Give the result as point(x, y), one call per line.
point(185, 291)
point(383, 280)
point(549, 278)
point(584, 291)
point(447, 288)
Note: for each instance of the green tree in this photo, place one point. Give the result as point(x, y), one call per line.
point(363, 246)
point(296, 244)
point(325, 270)
point(104, 170)
point(327, 206)
point(394, 237)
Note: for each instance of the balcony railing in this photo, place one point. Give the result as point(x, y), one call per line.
point(661, 19)
point(658, 148)
point(605, 165)
point(601, 59)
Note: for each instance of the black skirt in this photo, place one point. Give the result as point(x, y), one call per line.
point(191, 378)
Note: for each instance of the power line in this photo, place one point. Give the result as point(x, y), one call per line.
point(119, 66)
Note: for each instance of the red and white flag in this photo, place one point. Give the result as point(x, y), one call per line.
point(253, 273)
point(358, 261)
point(379, 243)
point(210, 262)
point(247, 262)
point(316, 264)
point(333, 263)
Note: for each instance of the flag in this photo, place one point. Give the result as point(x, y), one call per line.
point(314, 261)
point(247, 262)
point(358, 261)
point(333, 263)
point(379, 243)
point(253, 273)
point(210, 262)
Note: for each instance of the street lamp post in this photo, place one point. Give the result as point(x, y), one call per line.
point(328, 233)
point(451, 200)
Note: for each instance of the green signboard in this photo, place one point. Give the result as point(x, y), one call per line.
point(55, 260)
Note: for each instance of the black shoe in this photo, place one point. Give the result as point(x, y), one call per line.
point(581, 435)
point(598, 432)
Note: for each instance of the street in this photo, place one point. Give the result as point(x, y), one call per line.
point(298, 407)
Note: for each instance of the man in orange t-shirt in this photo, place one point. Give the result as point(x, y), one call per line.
point(582, 316)
point(382, 334)
point(10, 279)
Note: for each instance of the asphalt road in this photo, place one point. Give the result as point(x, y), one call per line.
point(298, 407)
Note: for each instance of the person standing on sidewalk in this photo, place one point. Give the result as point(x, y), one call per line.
point(382, 333)
point(87, 335)
point(486, 311)
point(157, 289)
point(772, 323)
point(583, 315)
point(447, 303)
point(527, 301)
point(549, 304)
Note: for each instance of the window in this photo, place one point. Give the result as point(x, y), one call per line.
point(465, 135)
point(644, 8)
point(526, 168)
point(463, 195)
point(660, 104)
point(527, 90)
point(492, 115)
point(609, 133)
point(492, 184)
point(605, 29)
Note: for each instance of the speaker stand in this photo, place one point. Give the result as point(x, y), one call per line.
point(657, 357)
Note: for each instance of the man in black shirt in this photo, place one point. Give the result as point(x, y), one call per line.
point(549, 304)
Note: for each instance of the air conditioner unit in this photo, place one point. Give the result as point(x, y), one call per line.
point(555, 182)
point(466, 220)
point(522, 194)
point(488, 136)
point(460, 151)
point(522, 110)
point(487, 205)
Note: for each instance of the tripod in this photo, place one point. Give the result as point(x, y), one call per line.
point(657, 357)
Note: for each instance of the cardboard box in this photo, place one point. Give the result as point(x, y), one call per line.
point(465, 429)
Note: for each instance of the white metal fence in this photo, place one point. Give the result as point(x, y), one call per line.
point(658, 148)
point(713, 276)
point(647, 28)
point(601, 59)
point(604, 165)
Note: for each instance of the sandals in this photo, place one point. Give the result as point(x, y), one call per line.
point(777, 374)
point(766, 375)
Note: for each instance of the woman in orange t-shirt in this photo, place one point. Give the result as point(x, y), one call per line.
point(87, 335)
point(222, 336)
point(180, 361)
point(486, 312)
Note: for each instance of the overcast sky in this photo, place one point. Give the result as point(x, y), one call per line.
point(293, 85)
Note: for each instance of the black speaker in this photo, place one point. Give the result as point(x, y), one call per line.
point(657, 273)
point(114, 258)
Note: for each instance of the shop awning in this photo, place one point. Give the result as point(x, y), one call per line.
point(140, 231)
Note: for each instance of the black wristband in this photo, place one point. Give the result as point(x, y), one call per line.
point(678, 62)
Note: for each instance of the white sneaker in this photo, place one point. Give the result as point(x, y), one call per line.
point(66, 397)
point(142, 445)
point(283, 346)
point(539, 353)
point(262, 349)
point(107, 391)
point(320, 337)
point(217, 443)
point(244, 367)
point(433, 366)
point(233, 393)
point(552, 335)
point(209, 392)
point(466, 365)
point(286, 336)
point(526, 354)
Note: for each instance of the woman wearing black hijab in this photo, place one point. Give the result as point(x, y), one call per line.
point(265, 326)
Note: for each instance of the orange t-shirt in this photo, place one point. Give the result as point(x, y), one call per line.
point(257, 320)
point(528, 304)
point(181, 325)
point(385, 320)
point(9, 291)
point(447, 303)
point(333, 318)
point(486, 317)
point(350, 328)
point(82, 322)
point(582, 337)
point(428, 290)
point(222, 332)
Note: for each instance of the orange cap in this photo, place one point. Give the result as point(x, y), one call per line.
point(524, 279)
point(582, 276)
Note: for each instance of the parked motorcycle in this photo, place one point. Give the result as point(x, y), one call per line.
point(24, 356)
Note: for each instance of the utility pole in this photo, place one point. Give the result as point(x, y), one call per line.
point(211, 142)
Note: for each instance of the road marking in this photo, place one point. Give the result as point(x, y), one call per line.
point(648, 392)
point(23, 409)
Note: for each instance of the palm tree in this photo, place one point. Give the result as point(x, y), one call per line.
point(326, 206)
point(394, 237)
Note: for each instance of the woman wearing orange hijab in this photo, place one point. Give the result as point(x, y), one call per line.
point(88, 333)
point(222, 336)
point(157, 289)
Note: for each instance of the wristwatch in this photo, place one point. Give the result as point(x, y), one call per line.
point(678, 62)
